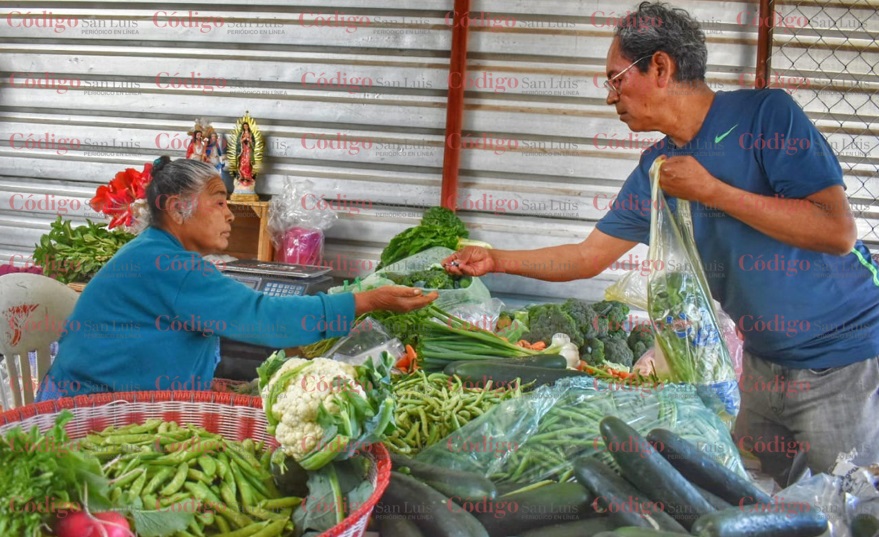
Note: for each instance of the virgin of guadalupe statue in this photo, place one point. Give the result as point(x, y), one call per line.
point(244, 158)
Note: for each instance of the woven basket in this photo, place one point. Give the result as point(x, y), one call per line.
point(236, 417)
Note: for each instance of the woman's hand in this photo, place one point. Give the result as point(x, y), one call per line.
point(394, 298)
point(470, 261)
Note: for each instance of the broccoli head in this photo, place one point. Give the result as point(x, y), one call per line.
point(641, 339)
point(618, 352)
point(615, 313)
point(547, 320)
point(583, 313)
point(592, 352)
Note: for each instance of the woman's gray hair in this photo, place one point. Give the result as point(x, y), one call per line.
point(184, 178)
point(658, 27)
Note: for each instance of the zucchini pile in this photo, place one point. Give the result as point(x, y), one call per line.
point(667, 487)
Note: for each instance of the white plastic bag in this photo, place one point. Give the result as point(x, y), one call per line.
point(297, 221)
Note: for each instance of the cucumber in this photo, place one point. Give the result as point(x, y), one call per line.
point(716, 502)
point(399, 527)
point(865, 525)
point(434, 514)
point(506, 374)
point(651, 473)
point(614, 493)
point(543, 506)
point(457, 485)
point(579, 528)
point(736, 522)
point(704, 471)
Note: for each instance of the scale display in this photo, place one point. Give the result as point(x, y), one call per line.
point(279, 279)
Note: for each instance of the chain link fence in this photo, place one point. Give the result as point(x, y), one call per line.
point(826, 55)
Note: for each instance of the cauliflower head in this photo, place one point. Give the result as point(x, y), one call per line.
point(296, 405)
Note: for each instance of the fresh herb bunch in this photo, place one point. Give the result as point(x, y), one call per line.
point(71, 254)
point(431, 278)
point(439, 227)
point(687, 330)
point(45, 469)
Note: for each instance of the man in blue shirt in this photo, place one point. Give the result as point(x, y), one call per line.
point(773, 228)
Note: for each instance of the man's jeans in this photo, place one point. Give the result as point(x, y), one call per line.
point(821, 412)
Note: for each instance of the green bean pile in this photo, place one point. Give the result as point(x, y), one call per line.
point(570, 429)
point(431, 407)
point(188, 469)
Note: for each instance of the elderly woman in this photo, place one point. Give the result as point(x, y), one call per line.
point(154, 314)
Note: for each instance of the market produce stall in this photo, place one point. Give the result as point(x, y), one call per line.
point(552, 419)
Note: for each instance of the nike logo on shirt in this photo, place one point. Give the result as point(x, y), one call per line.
point(718, 139)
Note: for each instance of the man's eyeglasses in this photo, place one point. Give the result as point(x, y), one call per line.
point(613, 84)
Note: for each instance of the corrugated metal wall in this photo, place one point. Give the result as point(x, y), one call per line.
point(90, 88)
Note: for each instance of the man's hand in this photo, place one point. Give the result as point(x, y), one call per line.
point(685, 178)
point(394, 298)
point(470, 261)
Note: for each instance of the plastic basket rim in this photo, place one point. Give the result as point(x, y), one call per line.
point(377, 451)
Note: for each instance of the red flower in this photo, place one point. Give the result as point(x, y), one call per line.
point(116, 198)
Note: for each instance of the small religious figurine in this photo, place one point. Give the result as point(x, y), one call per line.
point(214, 152)
point(244, 158)
point(196, 147)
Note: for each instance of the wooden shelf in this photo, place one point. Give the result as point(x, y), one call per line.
point(250, 233)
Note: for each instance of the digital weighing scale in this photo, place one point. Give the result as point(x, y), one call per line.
point(239, 359)
point(279, 279)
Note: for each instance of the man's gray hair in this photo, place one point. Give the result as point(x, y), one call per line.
point(184, 178)
point(658, 27)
